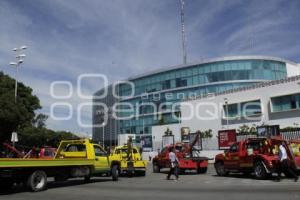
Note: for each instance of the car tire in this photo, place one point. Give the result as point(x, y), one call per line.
point(156, 168)
point(260, 171)
point(115, 172)
point(37, 181)
point(220, 169)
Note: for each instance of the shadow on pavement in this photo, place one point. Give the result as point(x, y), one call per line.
point(20, 188)
point(248, 177)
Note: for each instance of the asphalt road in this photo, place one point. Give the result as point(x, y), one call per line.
point(155, 186)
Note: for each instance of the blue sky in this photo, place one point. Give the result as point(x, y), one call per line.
point(121, 38)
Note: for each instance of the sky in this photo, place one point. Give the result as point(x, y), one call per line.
point(123, 38)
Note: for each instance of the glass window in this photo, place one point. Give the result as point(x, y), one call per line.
point(196, 80)
point(285, 103)
point(201, 70)
point(221, 67)
point(234, 148)
point(189, 72)
point(99, 151)
point(195, 71)
point(207, 69)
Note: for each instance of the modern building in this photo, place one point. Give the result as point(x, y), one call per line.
point(268, 103)
point(105, 126)
point(153, 98)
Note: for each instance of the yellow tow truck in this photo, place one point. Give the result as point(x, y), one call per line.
point(130, 159)
point(74, 158)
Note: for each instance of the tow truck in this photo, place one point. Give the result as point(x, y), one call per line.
point(258, 155)
point(130, 159)
point(189, 158)
point(73, 158)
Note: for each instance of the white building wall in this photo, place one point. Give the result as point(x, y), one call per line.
point(292, 70)
point(202, 109)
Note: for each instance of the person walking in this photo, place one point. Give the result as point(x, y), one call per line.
point(285, 166)
point(174, 164)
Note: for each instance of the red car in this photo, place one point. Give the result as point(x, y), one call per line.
point(188, 160)
point(259, 155)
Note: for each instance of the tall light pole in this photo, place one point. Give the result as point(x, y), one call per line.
point(103, 124)
point(20, 60)
point(227, 114)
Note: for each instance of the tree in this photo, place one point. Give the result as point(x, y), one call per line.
point(15, 115)
point(162, 121)
point(247, 130)
point(40, 120)
point(40, 137)
point(206, 133)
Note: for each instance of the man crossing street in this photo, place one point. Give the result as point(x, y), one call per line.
point(174, 164)
point(285, 166)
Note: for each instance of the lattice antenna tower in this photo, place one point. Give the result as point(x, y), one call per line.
point(183, 32)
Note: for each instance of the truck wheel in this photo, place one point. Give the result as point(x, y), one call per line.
point(220, 169)
point(201, 170)
point(156, 168)
point(260, 171)
point(37, 181)
point(115, 173)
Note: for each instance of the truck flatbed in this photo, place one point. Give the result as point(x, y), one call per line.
point(16, 162)
point(74, 158)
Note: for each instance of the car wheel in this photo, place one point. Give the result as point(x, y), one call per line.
point(37, 181)
point(115, 173)
point(260, 171)
point(220, 169)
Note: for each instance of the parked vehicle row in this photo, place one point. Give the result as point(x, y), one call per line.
point(82, 158)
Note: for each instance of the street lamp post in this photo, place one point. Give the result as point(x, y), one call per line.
point(103, 124)
point(227, 114)
point(19, 61)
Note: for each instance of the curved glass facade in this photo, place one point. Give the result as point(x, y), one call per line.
point(168, 87)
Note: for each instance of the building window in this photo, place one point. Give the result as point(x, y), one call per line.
point(243, 109)
point(181, 82)
point(285, 103)
point(166, 84)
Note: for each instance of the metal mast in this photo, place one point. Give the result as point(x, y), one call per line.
point(183, 32)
